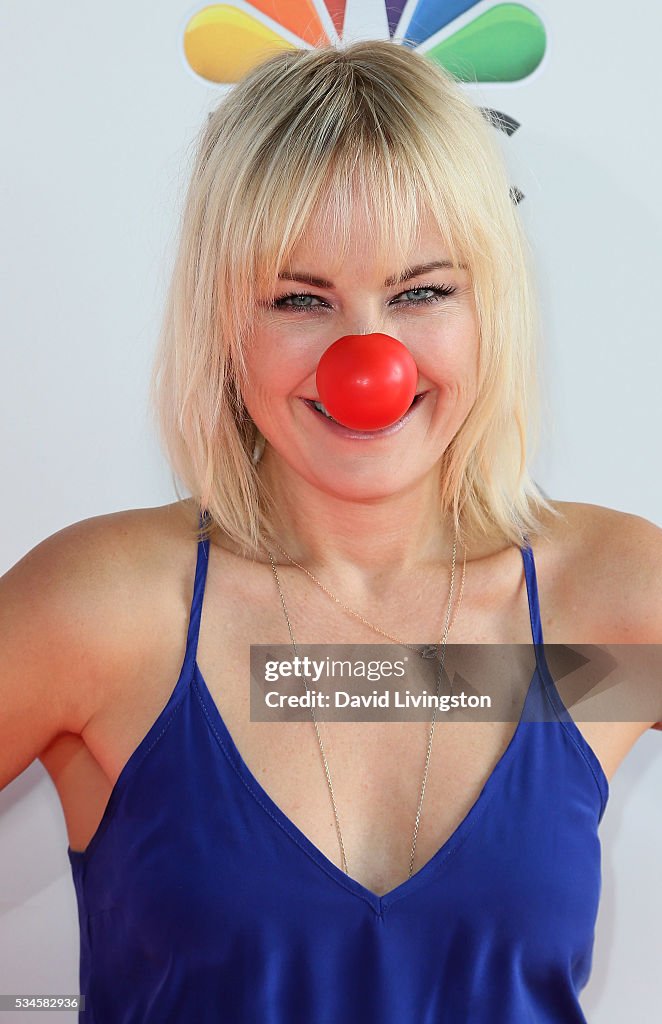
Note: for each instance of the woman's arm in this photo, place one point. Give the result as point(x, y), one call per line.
point(638, 577)
point(61, 641)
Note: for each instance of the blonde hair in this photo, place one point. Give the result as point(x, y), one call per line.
point(373, 120)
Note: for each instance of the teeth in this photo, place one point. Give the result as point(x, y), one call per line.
point(320, 408)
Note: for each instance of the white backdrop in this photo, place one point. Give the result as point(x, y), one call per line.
point(99, 110)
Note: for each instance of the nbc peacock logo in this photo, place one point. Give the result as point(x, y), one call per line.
point(476, 41)
point(479, 41)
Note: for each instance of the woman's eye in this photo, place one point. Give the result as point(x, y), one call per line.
point(283, 301)
point(438, 293)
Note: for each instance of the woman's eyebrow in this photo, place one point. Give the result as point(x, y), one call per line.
point(406, 275)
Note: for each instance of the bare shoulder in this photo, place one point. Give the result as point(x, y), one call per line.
point(116, 558)
point(604, 575)
point(125, 578)
point(620, 558)
point(73, 624)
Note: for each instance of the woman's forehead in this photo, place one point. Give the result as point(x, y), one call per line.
point(328, 241)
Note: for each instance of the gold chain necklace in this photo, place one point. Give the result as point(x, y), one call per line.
point(428, 652)
point(434, 717)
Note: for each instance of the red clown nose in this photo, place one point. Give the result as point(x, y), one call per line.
point(366, 381)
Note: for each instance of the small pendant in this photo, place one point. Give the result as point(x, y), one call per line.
point(430, 651)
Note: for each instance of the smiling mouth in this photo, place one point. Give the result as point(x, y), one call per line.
point(319, 407)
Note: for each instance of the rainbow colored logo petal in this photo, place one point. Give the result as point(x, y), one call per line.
point(503, 43)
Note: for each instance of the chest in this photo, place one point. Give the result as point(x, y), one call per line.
point(376, 768)
point(356, 786)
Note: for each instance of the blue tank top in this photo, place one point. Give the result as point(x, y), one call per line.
point(200, 901)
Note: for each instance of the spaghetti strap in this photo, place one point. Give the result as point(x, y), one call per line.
point(532, 593)
point(201, 567)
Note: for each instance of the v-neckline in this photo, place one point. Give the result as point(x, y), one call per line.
point(378, 902)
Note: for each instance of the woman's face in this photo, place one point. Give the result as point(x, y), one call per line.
point(352, 297)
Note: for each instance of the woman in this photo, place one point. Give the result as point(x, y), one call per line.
point(235, 870)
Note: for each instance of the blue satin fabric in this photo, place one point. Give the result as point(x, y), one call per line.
point(200, 902)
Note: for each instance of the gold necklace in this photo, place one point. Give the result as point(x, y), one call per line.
point(434, 717)
point(428, 651)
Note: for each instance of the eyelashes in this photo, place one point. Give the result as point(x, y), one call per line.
point(440, 292)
